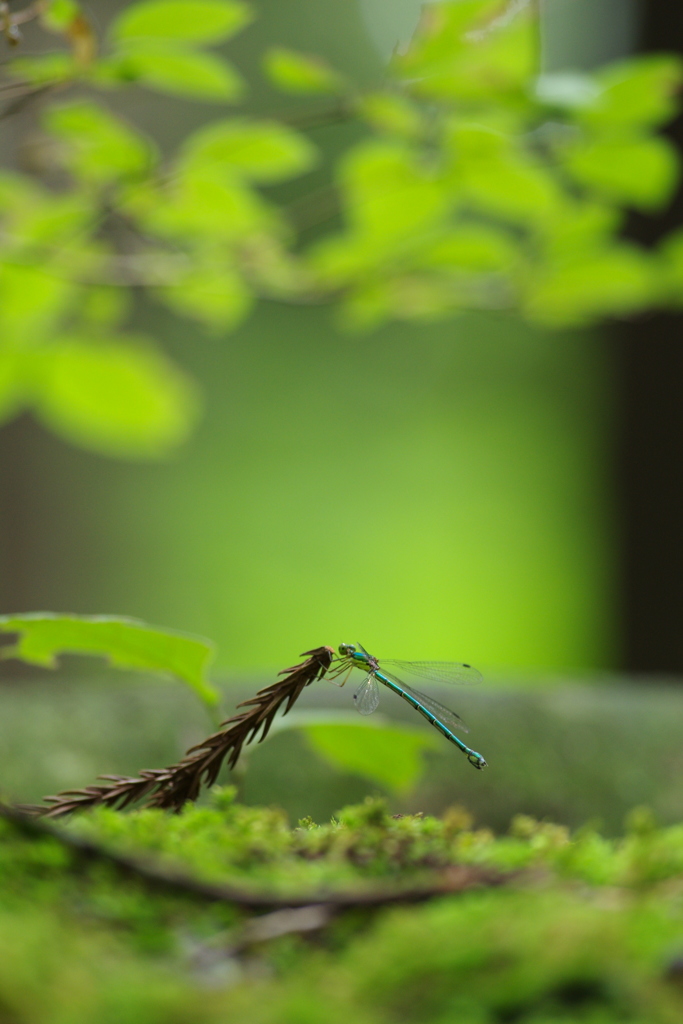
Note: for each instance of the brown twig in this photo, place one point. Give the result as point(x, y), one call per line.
point(29, 13)
point(21, 102)
point(171, 787)
point(456, 878)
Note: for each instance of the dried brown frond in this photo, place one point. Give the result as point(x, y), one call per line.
point(172, 787)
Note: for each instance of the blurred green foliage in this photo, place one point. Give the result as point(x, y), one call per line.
point(380, 751)
point(126, 643)
point(300, 73)
point(592, 931)
point(476, 184)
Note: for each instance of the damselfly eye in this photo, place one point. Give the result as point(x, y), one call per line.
point(347, 649)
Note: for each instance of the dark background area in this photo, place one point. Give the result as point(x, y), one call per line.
point(648, 360)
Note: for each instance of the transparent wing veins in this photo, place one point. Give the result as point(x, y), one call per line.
point(449, 718)
point(366, 697)
point(438, 671)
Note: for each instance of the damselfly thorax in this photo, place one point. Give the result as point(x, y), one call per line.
point(351, 656)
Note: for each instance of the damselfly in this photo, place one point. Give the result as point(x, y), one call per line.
point(366, 696)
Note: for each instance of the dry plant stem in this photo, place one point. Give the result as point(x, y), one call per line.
point(29, 13)
point(454, 879)
point(171, 787)
point(23, 100)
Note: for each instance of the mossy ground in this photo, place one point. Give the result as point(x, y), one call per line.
point(588, 929)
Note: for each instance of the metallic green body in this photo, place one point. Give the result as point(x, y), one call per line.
point(357, 657)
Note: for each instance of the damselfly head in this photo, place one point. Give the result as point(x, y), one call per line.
point(347, 650)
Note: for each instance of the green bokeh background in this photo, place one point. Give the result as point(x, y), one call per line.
point(438, 491)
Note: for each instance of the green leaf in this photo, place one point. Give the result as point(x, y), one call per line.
point(18, 191)
point(101, 147)
point(205, 203)
point(215, 296)
point(31, 302)
point(637, 93)
point(389, 755)
point(181, 72)
point(52, 220)
point(300, 73)
point(407, 296)
point(104, 306)
point(59, 14)
point(463, 51)
point(495, 176)
point(126, 643)
point(639, 171)
point(365, 306)
point(388, 194)
point(441, 35)
point(391, 113)
point(51, 67)
point(264, 151)
point(394, 204)
point(190, 21)
point(580, 226)
point(119, 398)
point(595, 284)
point(471, 246)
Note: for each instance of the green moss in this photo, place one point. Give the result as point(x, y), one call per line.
point(588, 929)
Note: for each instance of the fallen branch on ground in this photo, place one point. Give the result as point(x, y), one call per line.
point(456, 878)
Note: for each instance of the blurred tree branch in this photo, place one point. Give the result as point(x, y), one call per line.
point(447, 203)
